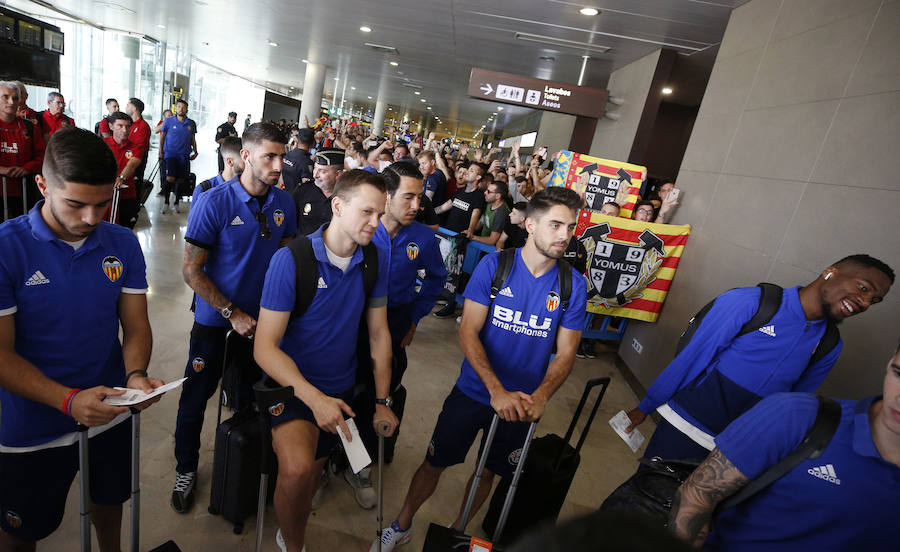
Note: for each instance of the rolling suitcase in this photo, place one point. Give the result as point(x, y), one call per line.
point(146, 185)
point(239, 373)
point(237, 458)
point(546, 477)
point(446, 539)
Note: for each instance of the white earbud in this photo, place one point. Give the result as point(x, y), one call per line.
point(827, 276)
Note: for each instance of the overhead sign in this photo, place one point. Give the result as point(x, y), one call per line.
point(536, 93)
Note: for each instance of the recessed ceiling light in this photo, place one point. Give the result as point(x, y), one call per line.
point(423, 100)
point(272, 43)
point(429, 108)
point(352, 88)
point(394, 63)
point(370, 97)
point(305, 60)
point(494, 113)
point(161, 26)
point(588, 11)
point(500, 108)
point(667, 90)
point(337, 78)
point(365, 29)
point(417, 93)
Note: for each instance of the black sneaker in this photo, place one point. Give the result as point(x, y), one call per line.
point(447, 311)
point(589, 348)
point(580, 352)
point(183, 492)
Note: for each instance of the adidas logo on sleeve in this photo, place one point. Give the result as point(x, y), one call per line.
point(825, 472)
point(37, 279)
point(236, 221)
point(768, 330)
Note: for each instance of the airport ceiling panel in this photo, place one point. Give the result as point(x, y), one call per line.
point(436, 43)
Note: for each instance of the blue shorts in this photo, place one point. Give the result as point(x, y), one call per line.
point(459, 422)
point(178, 167)
point(295, 409)
point(34, 485)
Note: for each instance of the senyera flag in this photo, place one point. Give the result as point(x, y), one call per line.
point(631, 264)
point(599, 181)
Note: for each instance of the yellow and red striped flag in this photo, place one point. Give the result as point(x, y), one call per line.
point(598, 180)
point(631, 264)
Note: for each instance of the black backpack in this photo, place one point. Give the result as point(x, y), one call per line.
point(769, 303)
point(504, 267)
point(307, 271)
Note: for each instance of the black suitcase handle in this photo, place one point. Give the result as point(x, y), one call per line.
point(584, 396)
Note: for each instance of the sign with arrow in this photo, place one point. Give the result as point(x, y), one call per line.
point(536, 93)
point(631, 264)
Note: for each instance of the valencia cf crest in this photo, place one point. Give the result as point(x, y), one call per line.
point(552, 301)
point(13, 519)
point(128, 154)
point(198, 364)
point(276, 409)
point(618, 270)
point(112, 267)
point(306, 209)
point(412, 251)
point(278, 215)
point(514, 456)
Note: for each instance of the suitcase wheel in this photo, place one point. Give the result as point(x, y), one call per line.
point(238, 528)
point(212, 510)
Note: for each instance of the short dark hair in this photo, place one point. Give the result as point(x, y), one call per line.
point(111, 100)
point(614, 204)
point(646, 202)
point(487, 179)
point(550, 197)
point(861, 259)
point(521, 206)
point(403, 145)
point(502, 188)
point(138, 104)
point(395, 171)
point(80, 156)
point(232, 114)
point(482, 166)
point(257, 132)
point(179, 100)
point(118, 116)
point(231, 146)
point(350, 181)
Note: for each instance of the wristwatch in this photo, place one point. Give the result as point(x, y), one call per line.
point(226, 311)
point(386, 402)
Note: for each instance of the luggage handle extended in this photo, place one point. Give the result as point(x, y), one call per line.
point(269, 394)
point(575, 417)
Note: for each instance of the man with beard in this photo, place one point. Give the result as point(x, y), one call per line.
point(233, 231)
point(726, 368)
point(506, 371)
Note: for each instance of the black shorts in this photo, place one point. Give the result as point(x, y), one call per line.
point(295, 409)
point(178, 167)
point(459, 422)
point(34, 485)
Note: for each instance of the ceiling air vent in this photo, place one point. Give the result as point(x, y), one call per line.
point(562, 42)
point(383, 49)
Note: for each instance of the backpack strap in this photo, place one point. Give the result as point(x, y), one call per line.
point(829, 341)
point(369, 268)
point(505, 262)
point(565, 284)
point(205, 185)
point(306, 268)
point(769, 302)
point(813, 444)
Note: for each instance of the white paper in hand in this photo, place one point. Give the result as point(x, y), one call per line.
point(355, 449)
point(619, 422)
point(136, 396)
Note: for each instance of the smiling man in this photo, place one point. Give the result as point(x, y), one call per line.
point(726, 367)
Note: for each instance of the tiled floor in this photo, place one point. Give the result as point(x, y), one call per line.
point(339, 524)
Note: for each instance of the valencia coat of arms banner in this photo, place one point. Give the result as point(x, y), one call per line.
point(599, 181)
point(631, 264)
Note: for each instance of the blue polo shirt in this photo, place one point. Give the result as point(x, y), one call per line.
point(322, 342)
point(224, 221)
point(717, 377)
point(178, 136)
point(414, 248)
point(436, 182)
point(214, 181)
point(846, 499)
point(520, 329)
point(64, 304)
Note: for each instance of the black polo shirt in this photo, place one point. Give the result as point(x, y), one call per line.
point(313, 208)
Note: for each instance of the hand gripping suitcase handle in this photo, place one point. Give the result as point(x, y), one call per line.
point(584, 396)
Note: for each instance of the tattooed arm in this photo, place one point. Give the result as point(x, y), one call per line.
point(195, 259)
point(694, 502)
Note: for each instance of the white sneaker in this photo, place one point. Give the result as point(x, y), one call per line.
point(279, 540)
point(392, 537)
point(164, 209)
point(177, 208)
point(362, 485)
